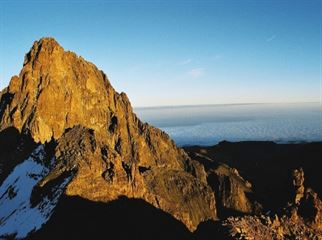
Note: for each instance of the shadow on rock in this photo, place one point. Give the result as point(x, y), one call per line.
point(15, 147)
point(78, 218)
point(211, 230)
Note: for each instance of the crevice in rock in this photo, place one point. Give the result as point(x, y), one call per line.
point(113, 125)
point(128, 170)
point(108, 174)
point(104, 153)
point(118, 146)
point(143, 169)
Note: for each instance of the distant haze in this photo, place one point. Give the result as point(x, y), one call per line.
point(179, 52)
point(208, 125)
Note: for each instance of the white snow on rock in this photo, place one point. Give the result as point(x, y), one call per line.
point(17, 216)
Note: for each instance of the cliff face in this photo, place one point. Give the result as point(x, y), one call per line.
point(61, 100)
point(234, 194)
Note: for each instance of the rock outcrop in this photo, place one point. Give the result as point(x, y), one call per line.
point(298, 184)
point(310, 209)
point(233, 193)
point(62, 100)
point(301, 219)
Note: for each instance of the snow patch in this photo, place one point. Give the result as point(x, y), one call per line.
point(17, 216)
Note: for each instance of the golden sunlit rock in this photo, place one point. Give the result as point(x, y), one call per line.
point(110, 150)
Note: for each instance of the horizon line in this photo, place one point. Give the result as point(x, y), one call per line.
point(220, 104)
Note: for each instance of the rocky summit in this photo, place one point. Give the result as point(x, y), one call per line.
point(99, 149)
point(77, 163)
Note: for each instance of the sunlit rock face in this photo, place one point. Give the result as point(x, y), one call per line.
point(231, 190)
point(60, 98)
point(234, 195)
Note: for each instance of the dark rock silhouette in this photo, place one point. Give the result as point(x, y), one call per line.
point(124, 218)
point(211, 230)
point(268, 167)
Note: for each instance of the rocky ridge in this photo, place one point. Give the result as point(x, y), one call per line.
point(234, 194)
point(70, 144)
point(60, 99)
point(301, 219)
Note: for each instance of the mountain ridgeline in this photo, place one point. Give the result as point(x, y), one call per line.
point(76, 162)
point(96, 141)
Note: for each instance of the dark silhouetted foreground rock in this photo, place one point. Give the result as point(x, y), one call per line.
point(124, 218)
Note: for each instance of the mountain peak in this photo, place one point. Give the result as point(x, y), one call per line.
point(46, 44)
point(48, 40)
point(57, 90)
point(61, 98)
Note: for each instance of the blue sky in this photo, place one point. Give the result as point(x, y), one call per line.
point(179, 52)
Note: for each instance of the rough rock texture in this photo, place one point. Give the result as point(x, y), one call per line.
point(59, 97)
point(267, 228)
point(231, 190)
point(310, 209)
point(301, 219)
point(298, 183)
point(287, 226)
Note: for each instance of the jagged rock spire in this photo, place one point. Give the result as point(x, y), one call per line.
point(61, 97)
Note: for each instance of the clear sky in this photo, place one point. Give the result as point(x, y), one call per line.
point(179, 52)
